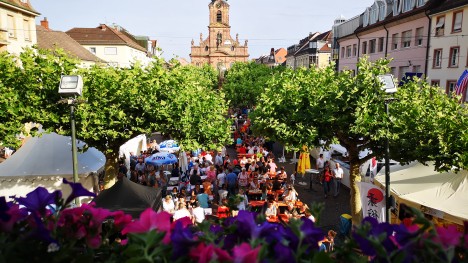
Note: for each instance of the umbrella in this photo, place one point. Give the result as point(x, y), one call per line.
point(161, 158)
point(304, 160)
point(170, 146)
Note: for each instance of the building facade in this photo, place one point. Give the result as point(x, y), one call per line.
point(17, 25)
point(275, 58)
point(219, 49)
point(312, 51)
point(111, 44)
point(394, 29)
point(448, 54)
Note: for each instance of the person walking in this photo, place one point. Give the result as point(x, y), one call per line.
point(338, 176)
point(231, 180)
point(327, 181)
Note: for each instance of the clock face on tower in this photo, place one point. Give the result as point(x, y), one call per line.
point(218, 5)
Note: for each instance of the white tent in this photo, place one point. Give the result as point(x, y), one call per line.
point(134, 145)
point(45, 161)
point(443, 195)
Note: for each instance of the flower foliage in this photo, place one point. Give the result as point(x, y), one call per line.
point(41, 227)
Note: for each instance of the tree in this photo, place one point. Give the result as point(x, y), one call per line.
point(244, 83)
point(120, 103)
point(192, 110)
point(29, 90)
point(321, 104)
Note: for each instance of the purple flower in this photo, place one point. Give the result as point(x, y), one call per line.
point(39, 199)
point(377, 235)
point(181, 239)
point(77, 191)
point(312, 235)
point(283, 254)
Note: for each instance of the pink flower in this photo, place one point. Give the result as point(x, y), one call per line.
point(121, 219)
point(448, 236)
point(205, 254)
point(14, 215)
point(149, 220)
point(94, 241)
point(245, 254)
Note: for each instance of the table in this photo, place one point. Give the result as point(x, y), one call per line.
point(312, 172)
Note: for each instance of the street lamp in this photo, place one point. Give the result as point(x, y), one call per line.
point(389, 87)
point(72, 86)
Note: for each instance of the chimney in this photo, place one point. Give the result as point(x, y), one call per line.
point(272, 52)
point(45, 23)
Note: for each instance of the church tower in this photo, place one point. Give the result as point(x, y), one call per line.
point(219, 49)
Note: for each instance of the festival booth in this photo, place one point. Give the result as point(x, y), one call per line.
point(130, 197)
point(442, 196)
point(45, 161)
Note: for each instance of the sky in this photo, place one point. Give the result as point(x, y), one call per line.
point(174, 23)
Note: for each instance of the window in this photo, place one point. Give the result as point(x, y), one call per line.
point(206, 48)
point(348, 51)
point(450, 88)
point(408, 5)
point(406, 39)
point(11, 26)
point(382, 10)
point(453, 59)
point(381, 44)
point(354, 50)
point(418, 40)
point(435, 82)
point(26, 30)
point(420, 3)
point(374, 14)
point(396, 7)
point(92, 50)
point(342, 52)
point(219, 17)
point(457, 21)
point(110, 51)
point(365, 19)
point(364, 47)
point(232, 48)
point(372, 44)
point(437, 60)
point(440, 25)
point(395, 41)
point(417, 69)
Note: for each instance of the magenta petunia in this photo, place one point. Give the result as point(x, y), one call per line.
point(121, 219)
point(149, 220)
point(245, 254)
point(448, 236)
point(205, 254)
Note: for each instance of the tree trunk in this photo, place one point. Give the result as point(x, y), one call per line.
point(356, 206)
point(112, 162)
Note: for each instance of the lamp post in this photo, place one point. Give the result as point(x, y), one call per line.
point(389, 88)
point(72, 86)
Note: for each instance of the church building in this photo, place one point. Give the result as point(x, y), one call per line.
point(219, 49)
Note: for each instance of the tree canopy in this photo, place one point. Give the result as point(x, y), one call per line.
point(120, 103)
point(306, 106)
point(245, 82)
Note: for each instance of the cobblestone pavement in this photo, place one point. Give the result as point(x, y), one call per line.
point(334, 207)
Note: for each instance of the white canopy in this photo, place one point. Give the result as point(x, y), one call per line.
point(44, 161)
point(444, 195)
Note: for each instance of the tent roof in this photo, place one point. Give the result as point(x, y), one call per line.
point(130, 197)
point(444, 192)
point(50, 155)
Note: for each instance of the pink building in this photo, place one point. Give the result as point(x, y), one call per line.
point(396, 29)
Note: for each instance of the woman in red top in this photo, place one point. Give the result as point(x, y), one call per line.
point(327, 180)
point(223, 210)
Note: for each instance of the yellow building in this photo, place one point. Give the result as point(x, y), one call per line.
point(17, 25)
point(219, 49)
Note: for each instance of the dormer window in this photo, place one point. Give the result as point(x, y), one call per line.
point(408, 5)
point(374, 14)
point(219, 17)
point(420, 3)
point(365, 19)
point(382, 10)
point(396, 7)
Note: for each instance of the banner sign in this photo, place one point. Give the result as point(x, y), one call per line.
point(373, 201)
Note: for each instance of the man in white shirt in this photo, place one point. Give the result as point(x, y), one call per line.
point(338, 175)
point(219, 160)
point(182, 212)
point(198, 213)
